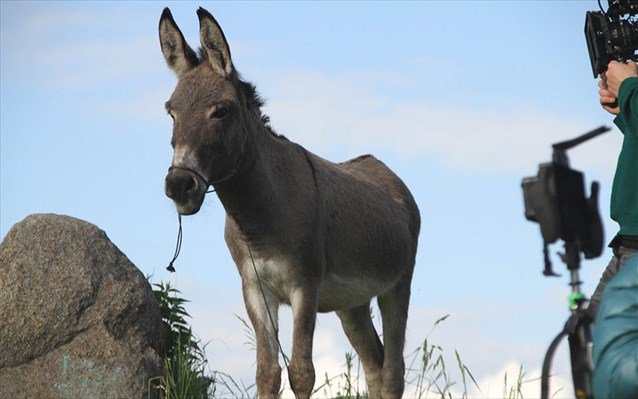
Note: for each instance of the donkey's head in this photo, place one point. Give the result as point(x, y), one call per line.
point(208, 108)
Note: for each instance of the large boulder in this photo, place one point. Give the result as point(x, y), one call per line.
point(77, 318)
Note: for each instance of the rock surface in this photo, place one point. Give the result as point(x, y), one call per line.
point(77, 318)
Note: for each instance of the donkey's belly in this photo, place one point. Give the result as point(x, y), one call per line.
point(339, 292)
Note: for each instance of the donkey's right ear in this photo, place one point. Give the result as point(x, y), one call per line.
point(178, 54)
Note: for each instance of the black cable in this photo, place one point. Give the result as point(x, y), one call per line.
point(601, 8)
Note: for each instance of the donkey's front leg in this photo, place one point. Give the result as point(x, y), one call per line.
point(263, 310)
point(301, 372)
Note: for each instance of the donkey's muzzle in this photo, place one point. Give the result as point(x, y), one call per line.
point(186, 189)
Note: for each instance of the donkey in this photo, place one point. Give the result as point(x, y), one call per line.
point(303, 231)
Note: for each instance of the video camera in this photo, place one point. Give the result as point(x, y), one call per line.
point(610, 36)
point(556, 200)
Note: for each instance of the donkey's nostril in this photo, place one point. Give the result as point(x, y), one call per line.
point(168, 190)
point(181, 186)
point(190, 185)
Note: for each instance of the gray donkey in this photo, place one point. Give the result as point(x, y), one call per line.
point(303, 231)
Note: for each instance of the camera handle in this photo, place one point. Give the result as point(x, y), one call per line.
point(560, 148)
point(578, 330)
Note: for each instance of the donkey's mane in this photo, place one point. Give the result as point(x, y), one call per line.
point(255, 101)
point(253, 98)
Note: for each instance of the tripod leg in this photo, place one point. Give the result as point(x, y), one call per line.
point(580, 351)
point(547, 364)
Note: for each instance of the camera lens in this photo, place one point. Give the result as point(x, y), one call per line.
point(624, 37)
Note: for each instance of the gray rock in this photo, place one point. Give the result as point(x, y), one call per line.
point(77, 318)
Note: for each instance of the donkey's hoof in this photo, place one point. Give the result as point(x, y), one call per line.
point(268, 381)
point(393, 383)
point(302, 379)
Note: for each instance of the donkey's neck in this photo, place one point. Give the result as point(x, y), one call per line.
point(254, 197)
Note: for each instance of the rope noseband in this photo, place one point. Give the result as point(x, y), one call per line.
point(199, 175)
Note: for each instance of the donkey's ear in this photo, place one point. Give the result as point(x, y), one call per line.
point(179, 56)
point(214, 43)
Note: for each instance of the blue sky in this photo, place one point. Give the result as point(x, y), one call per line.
point(461, 99)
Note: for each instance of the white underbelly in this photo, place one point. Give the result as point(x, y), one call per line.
point(338, 293)
point(335, 292)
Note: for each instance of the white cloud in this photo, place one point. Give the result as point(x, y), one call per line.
point(69, 49)
point(504, 383)
point(43, 23)
point(323, 112)
point(112, 61)
point(352, 112)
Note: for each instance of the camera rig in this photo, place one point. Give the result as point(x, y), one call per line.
point(612, 35)
point(556, 200)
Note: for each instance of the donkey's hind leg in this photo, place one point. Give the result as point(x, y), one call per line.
point(394, 312)
point(359, 329)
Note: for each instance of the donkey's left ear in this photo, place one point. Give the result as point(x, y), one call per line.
point(214, 43)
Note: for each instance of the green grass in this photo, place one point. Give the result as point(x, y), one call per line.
point(188, 375)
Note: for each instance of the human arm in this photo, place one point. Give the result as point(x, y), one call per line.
point(627, 120)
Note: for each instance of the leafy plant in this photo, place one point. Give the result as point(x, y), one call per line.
point(179, 336)
point(185, 358)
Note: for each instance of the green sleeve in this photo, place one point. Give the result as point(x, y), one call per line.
point(627, 120)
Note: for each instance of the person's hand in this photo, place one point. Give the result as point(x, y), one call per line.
point(607, 99)
point(616, 73)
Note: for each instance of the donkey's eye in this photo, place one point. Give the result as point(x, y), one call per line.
point(220, 113)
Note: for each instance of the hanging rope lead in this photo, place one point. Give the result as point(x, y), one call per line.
point(178, 246)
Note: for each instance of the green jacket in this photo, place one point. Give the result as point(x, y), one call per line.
point(624, 194)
